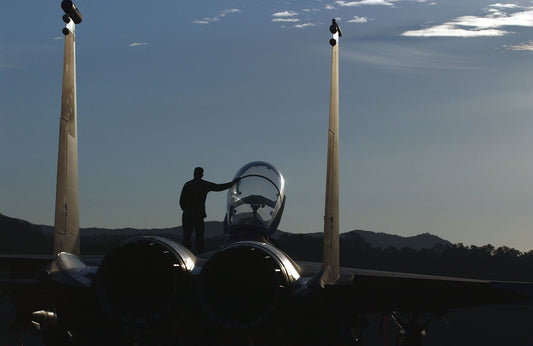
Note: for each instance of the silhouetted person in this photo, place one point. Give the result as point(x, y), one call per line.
point(192, 202)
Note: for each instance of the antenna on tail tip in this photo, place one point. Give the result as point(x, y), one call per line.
point(336, 31)
point(71, 11)
point(334, 27)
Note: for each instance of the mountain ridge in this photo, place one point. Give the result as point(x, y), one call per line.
point(486, 262)
point(20, 230)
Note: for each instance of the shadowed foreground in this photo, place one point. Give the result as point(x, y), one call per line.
point(496, 325)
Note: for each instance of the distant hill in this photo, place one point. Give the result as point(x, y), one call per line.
point(384, 240)
point(422, 254)
point(18, 235)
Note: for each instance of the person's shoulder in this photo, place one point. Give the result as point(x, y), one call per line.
point(188, 183)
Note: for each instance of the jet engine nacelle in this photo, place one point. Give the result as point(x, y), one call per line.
point(141, 279)
point(243, 283)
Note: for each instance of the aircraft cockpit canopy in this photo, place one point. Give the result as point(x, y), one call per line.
point(256, 202)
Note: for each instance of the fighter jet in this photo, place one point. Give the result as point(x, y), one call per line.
point(154, 291)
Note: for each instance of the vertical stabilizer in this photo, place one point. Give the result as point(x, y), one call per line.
point(330, 258)
point(67, 228)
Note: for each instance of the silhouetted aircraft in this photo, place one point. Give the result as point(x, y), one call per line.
point(153, 291)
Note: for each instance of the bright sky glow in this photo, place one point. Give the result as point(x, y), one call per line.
point(435, 111)
point(473, 26)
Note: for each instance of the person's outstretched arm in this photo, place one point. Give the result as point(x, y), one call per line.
point(222, 187)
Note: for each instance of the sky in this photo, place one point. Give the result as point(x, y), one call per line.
point(436, 100)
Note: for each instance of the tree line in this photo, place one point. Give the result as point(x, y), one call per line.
point(480, 262)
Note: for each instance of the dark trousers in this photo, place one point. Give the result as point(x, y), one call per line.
point(190, 223)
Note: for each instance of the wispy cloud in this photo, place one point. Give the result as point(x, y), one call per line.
point(137, 44)
point(304, 20)
point(500, 5)
point(229, 11)
point(288, 17)
point(285, 14)
point(357, 19)
point(527, 46)
point(516, 19)
point(414, 60)
point(366, 3)
point(450, 30)
point(286, 20)
point(473, 26)
point(4, 66)
point(304, 25)
point(224, 13)
point(58, 37)
point(205, 20)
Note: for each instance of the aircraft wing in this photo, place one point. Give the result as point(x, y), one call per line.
point(367, 290)
point(373, 291)
point(21, 269)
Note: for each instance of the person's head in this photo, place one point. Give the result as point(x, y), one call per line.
point(198, 172)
